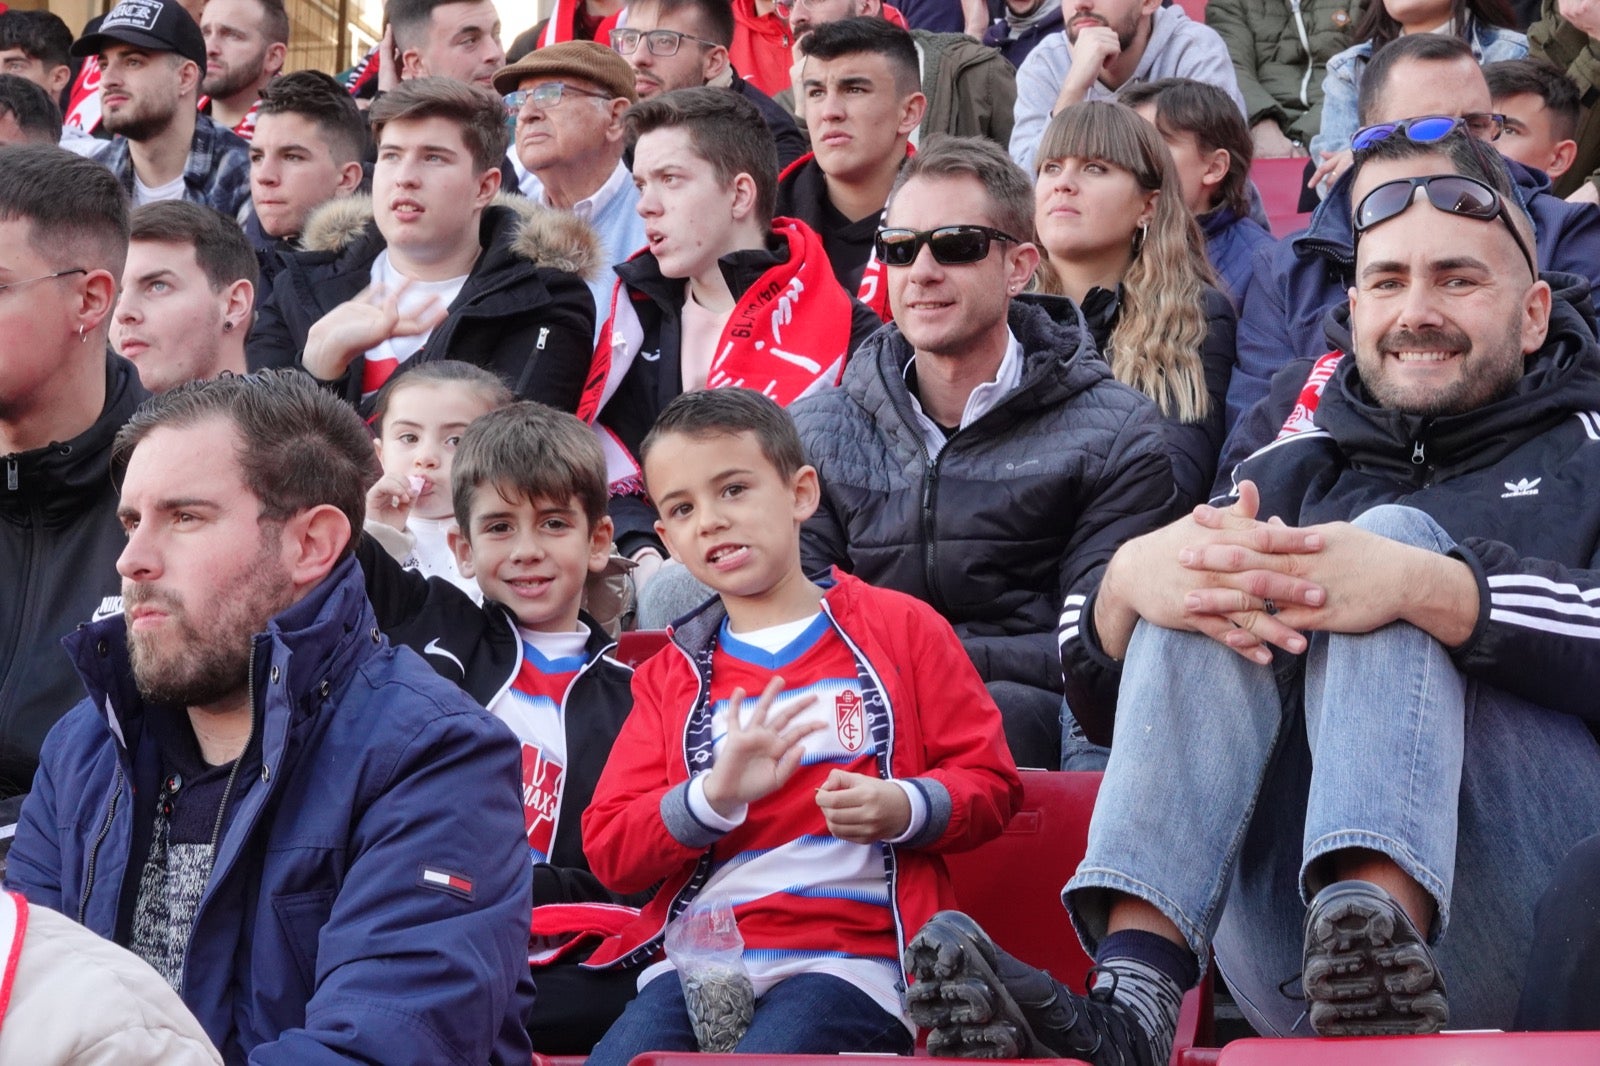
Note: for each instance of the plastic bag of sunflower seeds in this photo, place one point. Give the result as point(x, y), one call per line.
point(705, 946)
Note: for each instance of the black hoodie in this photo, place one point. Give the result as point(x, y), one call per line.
point(59, 542)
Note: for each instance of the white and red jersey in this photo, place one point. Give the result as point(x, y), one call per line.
point(533, 707)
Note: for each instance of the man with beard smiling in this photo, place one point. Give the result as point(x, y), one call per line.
point(1355, 725)
point(309, 834)
point(1106, 45)
point(153, 58)
point(246, 41)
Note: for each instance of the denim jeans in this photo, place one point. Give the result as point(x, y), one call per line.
point(1229, 781)
point(810, 1014)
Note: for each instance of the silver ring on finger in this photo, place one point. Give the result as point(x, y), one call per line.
point(1268, 606)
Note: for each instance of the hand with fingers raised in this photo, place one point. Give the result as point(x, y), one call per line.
point(759, 755)
point(372, 316)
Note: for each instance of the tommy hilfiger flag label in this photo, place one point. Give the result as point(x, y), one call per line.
point(437, 877)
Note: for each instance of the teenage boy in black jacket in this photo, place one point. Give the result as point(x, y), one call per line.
point(529, 488)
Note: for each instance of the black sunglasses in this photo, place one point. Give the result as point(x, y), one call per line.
point(1455, 193)
point(951, 245)
point(1426, 129)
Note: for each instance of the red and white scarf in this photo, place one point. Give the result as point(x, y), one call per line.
point(787, 336)
point(1303, 418)
point(564, 17)
point(83, 103)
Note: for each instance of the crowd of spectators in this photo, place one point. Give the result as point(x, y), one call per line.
point(932, 374)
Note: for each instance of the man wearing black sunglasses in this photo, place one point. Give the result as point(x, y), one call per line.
point(1306, 276)
point(1365, 683)
point(978, 455)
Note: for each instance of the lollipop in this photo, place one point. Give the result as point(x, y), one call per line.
point(418, 483)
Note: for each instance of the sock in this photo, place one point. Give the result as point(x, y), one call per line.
point(1150, 974)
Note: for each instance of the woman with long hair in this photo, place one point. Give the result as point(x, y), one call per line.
point(1486, 26)
point(1119, 242)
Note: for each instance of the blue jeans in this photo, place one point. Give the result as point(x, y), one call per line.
point(810, 1014)
point(1229, 783)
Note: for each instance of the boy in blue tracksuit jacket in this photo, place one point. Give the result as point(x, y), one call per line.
point(529, 489)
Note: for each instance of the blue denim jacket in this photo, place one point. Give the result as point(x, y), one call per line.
point(217, 172)
point(1490, 44)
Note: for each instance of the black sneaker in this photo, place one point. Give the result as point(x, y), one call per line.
point(1368, 972)
point(977, 1002)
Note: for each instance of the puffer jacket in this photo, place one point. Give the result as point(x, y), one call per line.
point(320, 937)
point(136, 1020)
point(1300, 278)
point(1516, 483)
point(524, 313)
point(59, 542)
point(1231, 246)
point(1280, 51)
point(1021, 507)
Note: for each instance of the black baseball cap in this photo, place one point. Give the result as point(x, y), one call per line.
point(159, 25)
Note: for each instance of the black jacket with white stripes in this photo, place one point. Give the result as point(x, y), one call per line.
point(1515, 483)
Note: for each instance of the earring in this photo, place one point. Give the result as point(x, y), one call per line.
point(81, 335)
point(1139, 236)
point(227, 327)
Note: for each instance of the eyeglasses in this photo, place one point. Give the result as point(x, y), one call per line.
point(1426, 129)
point(951, 245)
point(1454, 193)
point(547, 95)
point(43, 277)
point(660, 42)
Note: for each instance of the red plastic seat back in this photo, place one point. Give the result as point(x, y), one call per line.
point(635, 646)
point(1012, 885)
point(1195, 9)
point(1279, 182)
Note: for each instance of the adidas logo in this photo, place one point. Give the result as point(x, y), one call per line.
point(1524, 487)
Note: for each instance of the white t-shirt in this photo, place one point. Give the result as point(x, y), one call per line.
point(431, 555)
point(397, 350)
point(144, 194)
point(702, 330)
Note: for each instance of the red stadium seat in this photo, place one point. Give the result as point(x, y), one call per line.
point(635, 646)
point(1446, 1049)
point(1280, 182)
point(1195, 9)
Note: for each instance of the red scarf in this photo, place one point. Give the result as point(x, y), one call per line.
point(1302, 418)
point(83, 103)
point(13, 928)
point(788, 335)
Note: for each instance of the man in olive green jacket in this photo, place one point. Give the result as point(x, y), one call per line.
point(1280, 51)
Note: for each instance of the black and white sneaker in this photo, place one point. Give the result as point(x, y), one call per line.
point(978, 1002)
point(1368, 972)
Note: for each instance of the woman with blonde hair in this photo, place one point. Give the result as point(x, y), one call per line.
point(1119, 242)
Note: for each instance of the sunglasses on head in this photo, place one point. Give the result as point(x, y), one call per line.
point(951, 245)
point(1453, 193)
point(1426, 129)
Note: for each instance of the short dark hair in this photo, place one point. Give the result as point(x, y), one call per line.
point(1010, 192)
point(300, 446)
point(480, 117)
point(321, 100)
point(1468, 157)
point(77, 209)
point(726, 130)
point(37, 115)
point(714, 17)
point(1203, 110)
point(39, 35)
point(437, 371)
point(410, 17)
point(729, 412)
point(1421, 47)
point(274, 21)
point(532, 450)
point(220, 247)
point(863, 34)
point(1541, 78)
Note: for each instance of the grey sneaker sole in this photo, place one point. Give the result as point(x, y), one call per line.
point(1367, 970)
point(958, 998)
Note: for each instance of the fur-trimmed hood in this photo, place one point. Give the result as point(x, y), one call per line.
point(556, 240)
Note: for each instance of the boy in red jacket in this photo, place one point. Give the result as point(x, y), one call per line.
point(819, 809)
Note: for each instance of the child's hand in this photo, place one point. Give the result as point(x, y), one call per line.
point(390, 500)
point(863, 810)
point(758, 757)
